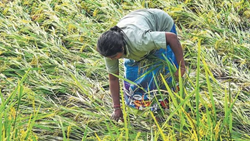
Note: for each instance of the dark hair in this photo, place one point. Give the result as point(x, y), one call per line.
point(110, 42)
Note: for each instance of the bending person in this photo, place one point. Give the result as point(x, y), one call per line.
point(145, 39)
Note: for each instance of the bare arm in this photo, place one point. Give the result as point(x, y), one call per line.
point(115, 94)
point(175, 45)
point(114, 88)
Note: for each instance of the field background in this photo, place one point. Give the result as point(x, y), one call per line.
point(54, 86)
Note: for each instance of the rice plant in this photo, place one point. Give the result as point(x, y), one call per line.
point(54, 85)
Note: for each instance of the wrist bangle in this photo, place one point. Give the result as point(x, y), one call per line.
point(115, 106)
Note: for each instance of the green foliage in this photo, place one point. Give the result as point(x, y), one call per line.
point(54, 86)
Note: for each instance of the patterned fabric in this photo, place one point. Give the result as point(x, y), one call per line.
point(143, 79)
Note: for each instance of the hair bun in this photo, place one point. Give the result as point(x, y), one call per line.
point(115, 28)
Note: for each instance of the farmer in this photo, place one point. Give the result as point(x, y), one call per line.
point(147, 40)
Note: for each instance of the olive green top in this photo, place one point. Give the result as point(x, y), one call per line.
point(144, 31)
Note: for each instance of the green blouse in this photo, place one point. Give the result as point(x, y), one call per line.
point(144, 31)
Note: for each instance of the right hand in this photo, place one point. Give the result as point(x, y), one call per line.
point(117, 114)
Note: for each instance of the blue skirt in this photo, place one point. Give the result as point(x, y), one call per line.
point(145, 79)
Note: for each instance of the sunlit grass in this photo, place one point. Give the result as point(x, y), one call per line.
point(53, 84)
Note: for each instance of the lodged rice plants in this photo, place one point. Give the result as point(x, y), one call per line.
point(54, 86)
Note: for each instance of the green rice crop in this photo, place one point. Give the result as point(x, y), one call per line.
point(54, 85)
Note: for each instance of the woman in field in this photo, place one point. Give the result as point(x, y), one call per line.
point(146, 39)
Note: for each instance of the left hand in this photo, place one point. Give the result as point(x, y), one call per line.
point(182, 72)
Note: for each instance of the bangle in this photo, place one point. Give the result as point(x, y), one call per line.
point(117, 106)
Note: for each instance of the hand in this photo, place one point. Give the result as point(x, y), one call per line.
point(182, 72)
point(117, 114)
